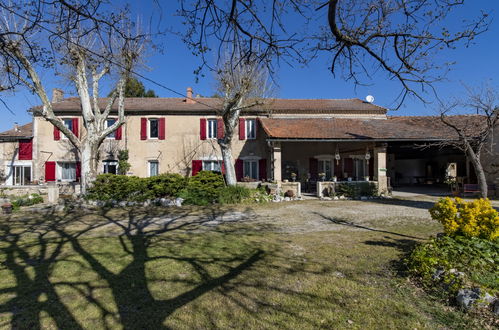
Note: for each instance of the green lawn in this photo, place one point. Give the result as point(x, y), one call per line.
point(136, 270)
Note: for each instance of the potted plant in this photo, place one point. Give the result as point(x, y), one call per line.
point(293, 177)
point(7, 208)
point(322, 176)
point(452, 182)
point(334, 178)
point(366, 178)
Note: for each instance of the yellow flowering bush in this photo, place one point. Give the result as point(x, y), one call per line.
point(470, 219)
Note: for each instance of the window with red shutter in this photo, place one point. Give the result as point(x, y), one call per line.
point(197, 166)
point(162, 129)
point(220, 128)
point(49, 171)
point(75, 127)
point(57, 134)
point(202, 129)
point(118, 133)
point(242, 129)
point(143, 128)
point(25, 149)
point(239, 169)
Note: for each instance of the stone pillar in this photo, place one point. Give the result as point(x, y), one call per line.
point(380, 168)
point(276, 162)
point(53, 193)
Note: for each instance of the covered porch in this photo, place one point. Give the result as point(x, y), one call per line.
point(322, 161)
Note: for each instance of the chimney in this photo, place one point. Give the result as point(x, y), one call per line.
point(16, 126)
point(57, 95)
point(189, 99)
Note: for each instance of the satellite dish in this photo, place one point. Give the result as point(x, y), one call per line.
point(370, 98)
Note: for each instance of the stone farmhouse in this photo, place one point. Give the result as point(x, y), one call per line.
point(302, 140)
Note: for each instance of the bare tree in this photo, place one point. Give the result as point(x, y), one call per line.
point(474, 132)
point(79, 40)
point(243, 84)
point(397, 37)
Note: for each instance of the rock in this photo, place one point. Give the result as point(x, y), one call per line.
point(339, 274)
point(336, 198)
point(342, 197)
point(326, 198)
point(122, 203)
point(363, 198)
point(289, 193)
point(495, 307)
point(466, 297)
point(438, 274)
point(179, 201)
point(287, 199)
point(488, 298)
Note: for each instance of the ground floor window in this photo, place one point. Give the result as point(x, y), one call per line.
point(212, 165)
point(250, 169)
point(360, 169)
point(110, 167)
point(153, 167)
point(325, 166)
point(67, 171)
point(22, 175)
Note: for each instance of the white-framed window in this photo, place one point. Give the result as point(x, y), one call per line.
point(66, 171)
point(153, 128)
point(212, 165)
point(250, 129)
point(326, 167)
point(250, 169)
point(211, 128)
point(110, 167)
point(68, 122)
point(110, 122)
point(153, 167)
point(22, 175)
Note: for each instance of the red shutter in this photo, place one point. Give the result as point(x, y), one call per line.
point(202, 129)
point(242, 129)
point(75, 126)
point(348, 166)
point(162, 129)
point(143, 128)
point(118, 133)
point(197, 166)
point(57, 134)
point(220, 128)
point(239, 169)
point(25, 149)
point(223, 167)
point(78, 171)
point(49, 171)
point(262, 169)
point(313, 168)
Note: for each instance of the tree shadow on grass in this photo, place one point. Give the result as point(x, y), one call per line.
point(33, 247)
point(342, 222)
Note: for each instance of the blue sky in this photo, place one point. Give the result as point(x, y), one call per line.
point(174, 68)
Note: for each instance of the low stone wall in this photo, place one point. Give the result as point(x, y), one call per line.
point(295, 187)
point(23, 190)
point(50, 192)
point(249, 185)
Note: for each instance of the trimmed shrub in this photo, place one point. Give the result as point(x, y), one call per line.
point(109, 187)
point(234, 194)
point(203, 189)
point(166, 185)
point(469, 219)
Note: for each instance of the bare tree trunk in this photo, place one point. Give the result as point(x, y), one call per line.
point(230, 173)
point(477, 165)
point(89, 164)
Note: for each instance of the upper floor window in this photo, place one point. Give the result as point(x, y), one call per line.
point(110, 122)
point(250, 129)
point(212, 128)
point(153, 128)
point(68, 122)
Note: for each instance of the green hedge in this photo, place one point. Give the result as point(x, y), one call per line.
point(205, 188)
point(26, 200)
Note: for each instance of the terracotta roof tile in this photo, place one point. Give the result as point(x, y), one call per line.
point(22, 131)
point(210, 104)
point(393, 128)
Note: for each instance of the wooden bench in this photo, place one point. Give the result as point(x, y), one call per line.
point(475, 188)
